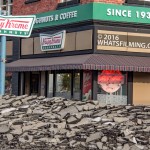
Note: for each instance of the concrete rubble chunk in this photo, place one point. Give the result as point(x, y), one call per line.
point(70, 110)
point(104, 139)
point(94, 136)
point(127, 132)
point(99, 145)
point(134, 147)
point(16, 103)
point(17, 132)
point(120, 119)
point(126, 147)
point(32, 122)
point(7, 110)
point(9, 137)
point(147, 121)
point(4, 128)
point(101, 113)
point(83, 121)
point(25, 138)
point(72, 119)
point(70, 134)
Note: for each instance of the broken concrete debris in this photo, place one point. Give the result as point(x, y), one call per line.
point(31, 122)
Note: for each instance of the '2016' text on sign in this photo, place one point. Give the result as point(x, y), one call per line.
point(18, 26)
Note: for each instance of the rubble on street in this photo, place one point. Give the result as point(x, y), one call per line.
point(31, 122)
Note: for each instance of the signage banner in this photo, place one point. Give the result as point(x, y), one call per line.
point(121, 13)
point(123, 41)
point(64, 16)
point(87, 85)
point(53, 42)
point(17, 26)
point(94, 11)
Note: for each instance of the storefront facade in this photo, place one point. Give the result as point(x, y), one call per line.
point(93, 51)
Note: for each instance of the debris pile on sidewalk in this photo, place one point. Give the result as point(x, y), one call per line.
point(31, 122)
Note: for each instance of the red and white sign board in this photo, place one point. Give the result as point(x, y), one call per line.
point(17, 26)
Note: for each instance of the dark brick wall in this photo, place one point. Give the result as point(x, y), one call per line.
point(20, 8)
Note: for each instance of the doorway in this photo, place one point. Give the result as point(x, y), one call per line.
point(35, 83)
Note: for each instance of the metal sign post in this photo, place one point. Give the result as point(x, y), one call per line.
point(2, 64)
point(17, 26)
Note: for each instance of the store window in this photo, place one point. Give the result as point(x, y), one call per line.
point(112, 87)
point(6, 7)
point(9, 47)
point(8, 83)
point(63, 85)
point(27, 46)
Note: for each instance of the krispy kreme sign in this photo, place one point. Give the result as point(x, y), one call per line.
point(18, 26)
point(53, 41)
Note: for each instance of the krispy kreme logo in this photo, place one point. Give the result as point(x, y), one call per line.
point(14, 24)
point(52, 42)
point(17, 25)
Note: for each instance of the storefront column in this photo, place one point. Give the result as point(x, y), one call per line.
point(94, 89)
point(15, 85)
point(130, 88)
point(27, 83)
point(21, 92)
point(42, 92)
point(54, 84)
point(16, 56)
point(81, 84)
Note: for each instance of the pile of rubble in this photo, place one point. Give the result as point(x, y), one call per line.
point(31, 122)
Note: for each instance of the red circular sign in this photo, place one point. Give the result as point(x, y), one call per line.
point(110, 80)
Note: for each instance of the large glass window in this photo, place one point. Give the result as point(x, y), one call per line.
point(63, 85)
point(8, 83)
point(27, 46)
point(112, 87)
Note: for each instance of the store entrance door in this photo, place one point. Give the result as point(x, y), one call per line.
point(34, 85)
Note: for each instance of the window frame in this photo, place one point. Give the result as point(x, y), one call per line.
point(67, 3)
point(30, 1)
point(6, 6)
point(138, 2)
